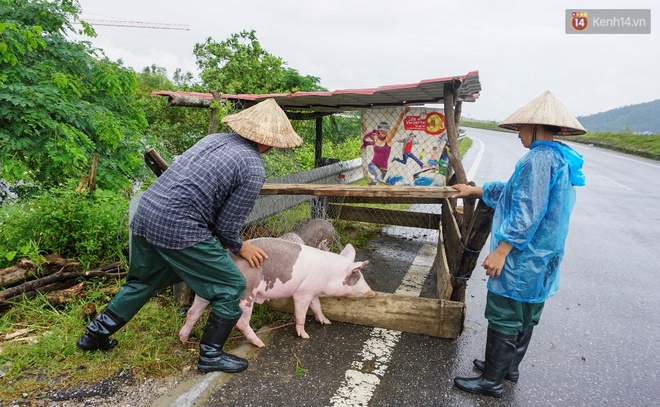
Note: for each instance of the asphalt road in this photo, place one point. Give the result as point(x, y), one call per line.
point(597, 343)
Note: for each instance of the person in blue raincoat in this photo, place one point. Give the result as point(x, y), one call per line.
point(530, 224)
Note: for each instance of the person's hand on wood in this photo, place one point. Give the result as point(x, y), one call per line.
point(467, 191)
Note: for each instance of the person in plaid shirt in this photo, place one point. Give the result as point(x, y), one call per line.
point(185, 223)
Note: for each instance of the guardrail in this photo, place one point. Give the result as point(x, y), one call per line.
point(344, 172)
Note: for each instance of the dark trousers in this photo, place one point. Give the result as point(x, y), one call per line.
point(511, 317)
point(206, 267)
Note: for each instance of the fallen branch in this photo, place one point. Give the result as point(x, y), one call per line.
point(19, 272)
point(34, 285)
point(59, 297)
point(26, 269)
point(59, 285)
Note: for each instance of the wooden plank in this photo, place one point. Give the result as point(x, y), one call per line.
point(387, 216)
point(443, 273)
point(358, 190)
point(390, 200)
point(452, 237)
point(427, 316)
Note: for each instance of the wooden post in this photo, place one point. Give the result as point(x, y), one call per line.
point(92, 172)
point(318, 143)
point(453, 118)
point(452, 132)
point(318, 208)
point(473, 242)
point(155, 162)
point(89, 181)
point(468, 212)
point(458, 110)
point(213, 116)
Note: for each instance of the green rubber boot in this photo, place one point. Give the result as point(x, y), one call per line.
point(521, 348)
point(99, 330)
point(499, 354)
point(211, 356)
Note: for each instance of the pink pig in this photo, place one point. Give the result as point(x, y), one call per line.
point(292, 270)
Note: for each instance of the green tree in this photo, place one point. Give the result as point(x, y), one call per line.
point(61, 101)
point(172, 129)
point(240, 65)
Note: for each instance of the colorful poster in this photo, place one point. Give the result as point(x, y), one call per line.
point(404, 146)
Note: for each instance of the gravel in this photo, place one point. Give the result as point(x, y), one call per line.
point(119, 391)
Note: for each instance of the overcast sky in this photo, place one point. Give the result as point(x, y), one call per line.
point(520, 48)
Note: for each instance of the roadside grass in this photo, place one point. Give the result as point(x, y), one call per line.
point(625, 142)
point(47, 352)
point(43, 355)
point(635, 144)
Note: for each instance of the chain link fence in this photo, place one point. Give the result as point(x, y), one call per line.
point(398, 146)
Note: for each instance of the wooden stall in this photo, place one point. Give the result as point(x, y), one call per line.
point(462, 231)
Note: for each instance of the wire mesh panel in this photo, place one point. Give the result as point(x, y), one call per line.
point(404, 146)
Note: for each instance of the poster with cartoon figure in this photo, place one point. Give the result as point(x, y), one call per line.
point(404, 146)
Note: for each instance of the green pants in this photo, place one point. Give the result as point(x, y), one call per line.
point(511, 317)
point(206, 267)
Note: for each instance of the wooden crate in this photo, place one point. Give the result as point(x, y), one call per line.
point(437, 317)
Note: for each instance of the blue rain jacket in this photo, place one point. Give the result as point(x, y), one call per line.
point(532, 211)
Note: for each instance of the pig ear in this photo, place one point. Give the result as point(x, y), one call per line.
point(348, 252)
point(357, 266)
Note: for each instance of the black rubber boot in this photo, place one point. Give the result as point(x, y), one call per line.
point(99, 331)
point(499, 353)
point(211, 356)
point(521, 348)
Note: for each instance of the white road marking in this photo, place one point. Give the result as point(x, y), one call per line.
point(358, 386)
point(475, 164)
point(611, 181)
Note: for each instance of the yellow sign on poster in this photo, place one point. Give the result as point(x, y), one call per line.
point(404, 146)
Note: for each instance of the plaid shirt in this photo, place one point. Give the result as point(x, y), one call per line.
point(209, 191)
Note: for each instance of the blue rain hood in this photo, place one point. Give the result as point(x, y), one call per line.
point(532, 212)
point(573, 159)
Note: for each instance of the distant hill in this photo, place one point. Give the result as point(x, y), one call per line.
point(640, 118)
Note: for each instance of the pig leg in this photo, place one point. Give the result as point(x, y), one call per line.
point(301, 305)
point(315, 305)
point(243, 325)
point(192, 316)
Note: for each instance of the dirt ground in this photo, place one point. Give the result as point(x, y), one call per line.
point(121, 390)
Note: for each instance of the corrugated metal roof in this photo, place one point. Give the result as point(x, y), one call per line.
point(428, 91)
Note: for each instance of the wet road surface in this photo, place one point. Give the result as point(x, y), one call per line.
point(597, 343)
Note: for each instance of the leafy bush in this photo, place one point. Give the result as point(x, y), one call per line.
point(89, 226)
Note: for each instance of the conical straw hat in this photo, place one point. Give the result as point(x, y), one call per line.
point(265, 123)
point(544, 109)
